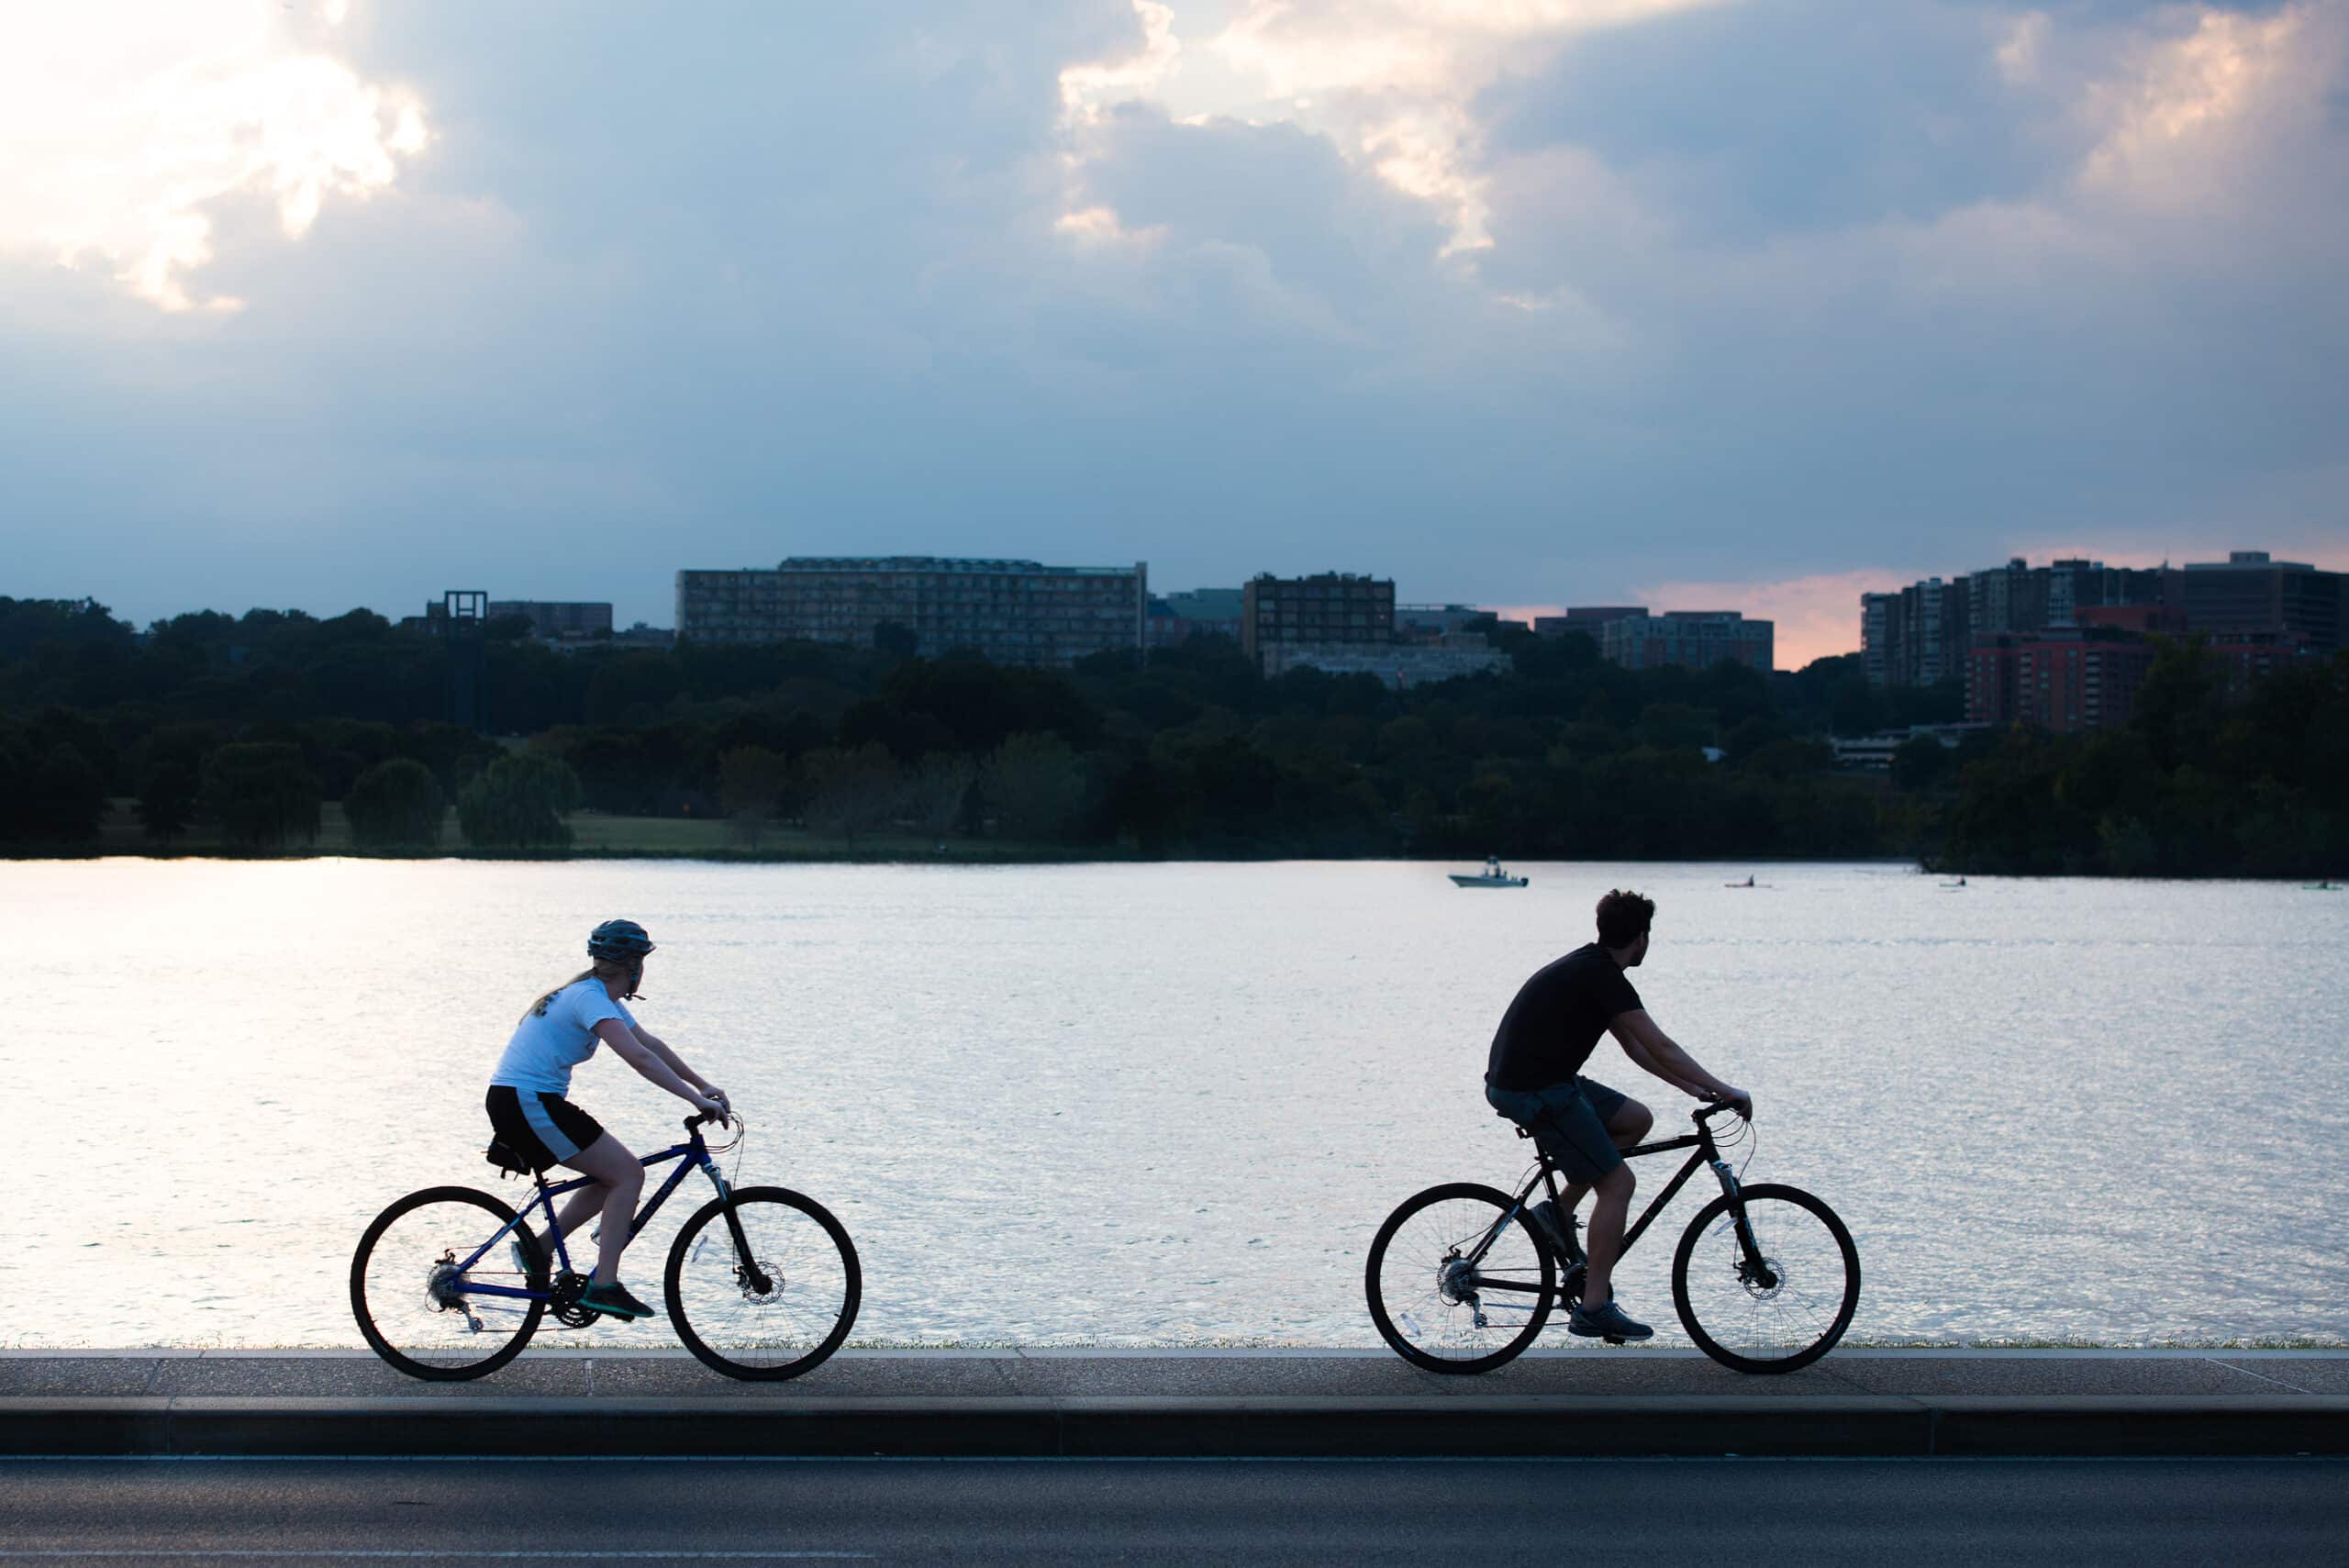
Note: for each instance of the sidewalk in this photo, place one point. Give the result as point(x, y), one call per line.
point(1106, 1403)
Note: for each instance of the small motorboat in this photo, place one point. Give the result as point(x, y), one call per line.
point(1491, 877)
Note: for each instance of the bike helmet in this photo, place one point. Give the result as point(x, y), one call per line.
point(619, 939)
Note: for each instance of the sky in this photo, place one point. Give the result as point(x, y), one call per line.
point(1703, 303)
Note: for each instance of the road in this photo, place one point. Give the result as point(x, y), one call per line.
point(190, 1513)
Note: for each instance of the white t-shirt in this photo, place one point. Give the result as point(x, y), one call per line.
point(546, 1046)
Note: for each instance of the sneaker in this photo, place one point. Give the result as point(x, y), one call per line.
point(615, 1299)
point(1606, 1322)
point(1562, 1238)
point(517, 1253)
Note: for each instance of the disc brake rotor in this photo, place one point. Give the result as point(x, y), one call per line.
point(750, 1292)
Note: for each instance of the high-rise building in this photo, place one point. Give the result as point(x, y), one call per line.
point(1697, 638)
point(1011, 612)
point(1915, 637)
point(741, 606)
point(2066, 679)
point(2250, 592)
point(1331, 610)
point(1880, 630)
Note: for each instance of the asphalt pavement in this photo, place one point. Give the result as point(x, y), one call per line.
point(1587, 1402)
point(1919, 1513)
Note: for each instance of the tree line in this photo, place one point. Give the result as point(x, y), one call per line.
point(243, 726)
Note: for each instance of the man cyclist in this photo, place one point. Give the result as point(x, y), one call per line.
point(1533, 1078)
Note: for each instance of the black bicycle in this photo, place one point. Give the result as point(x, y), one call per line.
point(449, 1283)
point(1765, 1278)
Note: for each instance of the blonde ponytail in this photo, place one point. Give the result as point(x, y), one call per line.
point(602, 969)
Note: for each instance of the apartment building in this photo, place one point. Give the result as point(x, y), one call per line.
point(1697, 638)
point(1011, 612)
point(1332, 609)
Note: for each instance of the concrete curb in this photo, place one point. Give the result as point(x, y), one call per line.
point(1025, 1426)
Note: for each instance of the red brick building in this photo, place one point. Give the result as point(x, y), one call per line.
point(2065, 680)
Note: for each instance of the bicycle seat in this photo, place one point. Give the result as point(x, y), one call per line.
point(503, 1155)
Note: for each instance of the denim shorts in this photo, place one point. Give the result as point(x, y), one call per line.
point(1569, 1120)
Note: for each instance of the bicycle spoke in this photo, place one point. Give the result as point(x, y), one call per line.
point(1788, 1310)
point(810, 1286)
point(1429, 1275)
point(409, 1292)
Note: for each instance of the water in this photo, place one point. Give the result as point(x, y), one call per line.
point(1170, 1104)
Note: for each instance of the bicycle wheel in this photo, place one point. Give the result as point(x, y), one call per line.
point(1441, 1303)
point(786, 1312)
point(1787, 1313)
point(404, 1275)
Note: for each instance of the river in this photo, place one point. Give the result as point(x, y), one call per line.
point(1168, 1104)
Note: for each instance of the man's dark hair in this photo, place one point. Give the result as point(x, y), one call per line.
point(1623, 918)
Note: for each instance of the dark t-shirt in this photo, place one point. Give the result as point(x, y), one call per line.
point(1555, 1024)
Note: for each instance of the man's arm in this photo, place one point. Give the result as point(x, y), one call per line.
point(1646, 1044)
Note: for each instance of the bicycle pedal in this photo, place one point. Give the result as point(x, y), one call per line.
point(1612, 1338)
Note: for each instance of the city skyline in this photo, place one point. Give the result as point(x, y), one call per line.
point(1718, 304)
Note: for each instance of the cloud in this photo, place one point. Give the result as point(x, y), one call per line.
point(1542, 302)
point(124, 128)
point(1391, 84)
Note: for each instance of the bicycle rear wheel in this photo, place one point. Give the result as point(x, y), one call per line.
point(1438, 1301)
point(407, 1282)
point(783, 1311)
point(1788, 1312)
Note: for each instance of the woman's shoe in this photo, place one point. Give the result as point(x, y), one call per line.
point(615, 1299)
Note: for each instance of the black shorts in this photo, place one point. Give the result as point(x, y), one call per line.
point(545, 1130)
point(1569, 1120)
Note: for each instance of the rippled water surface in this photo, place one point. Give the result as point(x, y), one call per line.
point(1169, 1103)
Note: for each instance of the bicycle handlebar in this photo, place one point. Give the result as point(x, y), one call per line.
point(1714, 1109)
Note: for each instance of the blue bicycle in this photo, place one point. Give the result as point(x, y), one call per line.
point(449, 1283)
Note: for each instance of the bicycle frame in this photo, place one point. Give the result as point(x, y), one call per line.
point(1706, 1154)
point(690, 1155)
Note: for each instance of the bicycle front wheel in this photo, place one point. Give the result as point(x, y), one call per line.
point(1779, 1313)
point(409, 1283)
point(1455, 1285)
point(781, 1310)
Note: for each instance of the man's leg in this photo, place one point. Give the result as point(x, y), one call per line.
point(1627, 1126)
point(1603, 1237)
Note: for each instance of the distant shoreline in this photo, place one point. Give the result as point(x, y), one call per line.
point(971, 853)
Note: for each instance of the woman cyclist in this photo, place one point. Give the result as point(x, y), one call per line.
point(531, 1115)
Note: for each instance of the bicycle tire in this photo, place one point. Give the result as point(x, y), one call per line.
point(1817, 1340)
point(395, 1303)
point(1396, 1318)
point(823, 1276)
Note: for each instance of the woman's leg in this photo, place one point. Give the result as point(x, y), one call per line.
point(620, 1180)
point(577, 1208)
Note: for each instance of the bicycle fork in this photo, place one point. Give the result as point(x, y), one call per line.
point(754, 1277)
point(1755, 1267)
